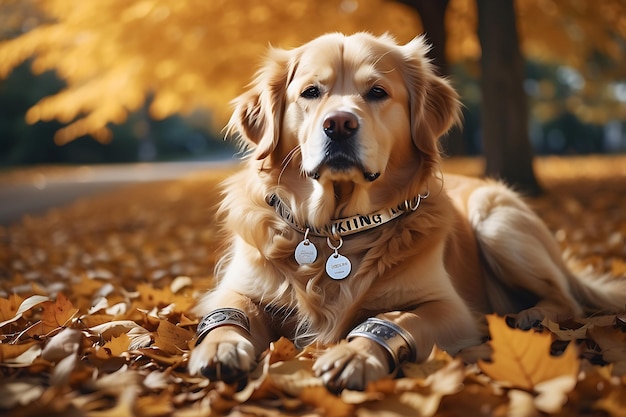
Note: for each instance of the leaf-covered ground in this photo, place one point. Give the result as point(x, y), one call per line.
point(95, 316)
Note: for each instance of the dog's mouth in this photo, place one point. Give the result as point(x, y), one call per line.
point(341, 164)
point(341, 160)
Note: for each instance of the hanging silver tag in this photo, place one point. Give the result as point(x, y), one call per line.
point(306, 252)
point(337, 266)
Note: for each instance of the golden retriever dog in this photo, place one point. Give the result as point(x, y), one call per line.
point(343, 232)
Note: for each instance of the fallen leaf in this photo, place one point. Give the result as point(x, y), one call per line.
point(521, 404)
point(171, 338)
point(612, 343)
point(26, 358)
point(10, 351)
point(325, 403)
point(179, 283)
point(9, 307)
point(63, 369)
point(476, 399)
point(292, 377)
point(123, 408)
point(282, 350)
point(552, 394)
point(55, 315)
point(154, 405)
point(614, 404)
point(26, 305)
point(566, 334)
point(521, 358)
point(61, 345)
point(113, 328)
point(115, 347)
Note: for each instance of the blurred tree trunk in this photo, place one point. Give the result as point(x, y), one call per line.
point(506, 143)
point(432, 13)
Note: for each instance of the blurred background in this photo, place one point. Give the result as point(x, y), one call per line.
point(100, 81)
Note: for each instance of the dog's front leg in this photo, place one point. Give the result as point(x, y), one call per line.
point(380, 345)
point(233, 333)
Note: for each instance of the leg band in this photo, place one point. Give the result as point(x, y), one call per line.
point(221, 317)
point(394, 339)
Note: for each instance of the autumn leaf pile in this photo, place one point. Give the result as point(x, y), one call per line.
point(95, 317)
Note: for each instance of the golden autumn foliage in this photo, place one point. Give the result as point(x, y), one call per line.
point(186, 55)
point(95, 316)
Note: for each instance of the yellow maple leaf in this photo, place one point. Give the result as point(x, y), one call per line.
point(115, 347)
point(522, 358)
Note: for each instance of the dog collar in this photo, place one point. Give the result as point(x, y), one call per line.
point(348, 225)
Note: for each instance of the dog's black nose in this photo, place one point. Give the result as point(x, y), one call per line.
point(340, 125)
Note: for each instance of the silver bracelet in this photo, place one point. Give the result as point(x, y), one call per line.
point(221, 317)
point(394, 339)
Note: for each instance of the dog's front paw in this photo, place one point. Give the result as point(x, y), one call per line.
point(225, 354)
point(352, 365)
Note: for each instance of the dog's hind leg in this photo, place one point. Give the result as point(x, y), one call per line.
point(526, 272)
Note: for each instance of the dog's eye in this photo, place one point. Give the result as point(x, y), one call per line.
point(376, 94)
point(311, 92)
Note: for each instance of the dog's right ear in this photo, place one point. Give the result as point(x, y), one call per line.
point(257, 115)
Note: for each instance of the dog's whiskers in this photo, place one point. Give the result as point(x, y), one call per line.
point(287, 160)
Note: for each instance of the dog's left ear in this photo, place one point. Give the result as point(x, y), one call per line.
point(434, 104)
point(257, 114)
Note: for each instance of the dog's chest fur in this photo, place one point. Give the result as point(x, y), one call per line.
point(324, 310)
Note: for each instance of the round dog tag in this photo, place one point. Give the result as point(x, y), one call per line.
point(305, 253)
point(338, 266)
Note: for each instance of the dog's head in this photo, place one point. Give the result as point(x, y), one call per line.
point(353, 109)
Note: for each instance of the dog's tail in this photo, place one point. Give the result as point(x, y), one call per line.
point(525, 263)
point(597, 292)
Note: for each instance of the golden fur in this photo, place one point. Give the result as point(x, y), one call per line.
point(471, 248)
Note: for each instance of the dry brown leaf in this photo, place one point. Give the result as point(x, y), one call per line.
point(155, 297)
point(160, 358)
point(62, 371)
point(8, 308)
point(566, 334)
point(154, 406)
point(123, 408)
point(447, 380)
point(521, 358)
point(10, 351)
point(612, 345)
point(55, 315)
point(325, 403)
point(282, 350)
point(614, 404)
point(292, 376)
point(171, 338)
point(26, 358)
point(423, 370)
point(25, 305)
point(476, 399)
point(618, 267)
point(61, 345)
